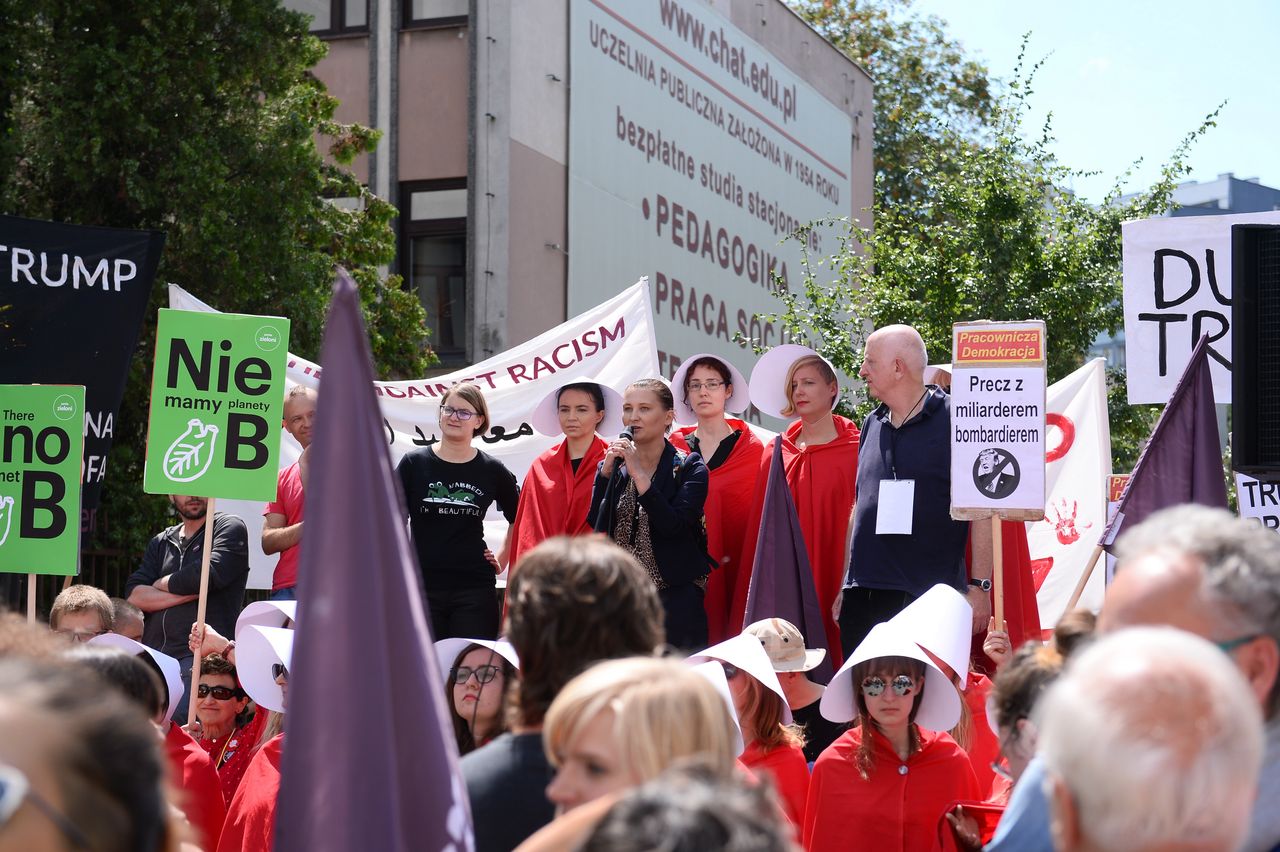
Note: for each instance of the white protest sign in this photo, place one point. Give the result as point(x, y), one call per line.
point(1259, 500)
point(998, 420)
point(612, 344)
point(1177, 287)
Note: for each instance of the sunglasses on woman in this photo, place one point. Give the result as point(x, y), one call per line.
point(902, 685)
point(221, 693)
point(730, 671)
point(483, 674)
point(278, 671)
point(16, 789)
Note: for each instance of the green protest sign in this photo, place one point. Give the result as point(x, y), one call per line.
point(41, 445)
point(217, 401)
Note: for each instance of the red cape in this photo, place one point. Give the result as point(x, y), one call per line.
point(728, 514)
point(236, 754)
point(554, 500)
point(890, 811)
point(822, 479)
point(984, 745)
point(197, 782)
point(789, 772)
point(1021, 612)
point(251, 818)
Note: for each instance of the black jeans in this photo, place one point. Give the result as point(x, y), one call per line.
point(465, 613)
point(685, 617)
point(862, 609)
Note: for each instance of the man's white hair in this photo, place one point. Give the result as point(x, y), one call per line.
point(1158, 739)
point(905, 342)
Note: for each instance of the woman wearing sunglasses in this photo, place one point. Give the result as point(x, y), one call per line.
point(230, 724)
point(706, 388)
point(477, 672)
point(448, 488)
point(891, 777)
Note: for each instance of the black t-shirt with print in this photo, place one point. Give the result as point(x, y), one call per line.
point(447, 502)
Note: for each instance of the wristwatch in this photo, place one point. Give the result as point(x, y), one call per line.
point(985, 585)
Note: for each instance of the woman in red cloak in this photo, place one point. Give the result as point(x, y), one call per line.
point(820, 454)
point(556, 494)
point(705, 387)
point(886, 783)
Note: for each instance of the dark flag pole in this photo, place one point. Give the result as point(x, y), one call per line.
point(370, 760)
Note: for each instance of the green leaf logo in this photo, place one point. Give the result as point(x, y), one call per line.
point(188, 457)
point(6, 517)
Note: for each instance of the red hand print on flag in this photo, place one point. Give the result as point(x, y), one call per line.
point(1065, 523)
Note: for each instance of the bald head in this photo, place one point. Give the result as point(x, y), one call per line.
point(893, 366)
point(1159, 587)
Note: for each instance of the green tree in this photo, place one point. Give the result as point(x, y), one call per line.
point(928, 93)
point(199, 118)
point(999, 239)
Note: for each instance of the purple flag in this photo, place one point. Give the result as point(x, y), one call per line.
point(369, 759)
point(781, 579)
point(1182, 462)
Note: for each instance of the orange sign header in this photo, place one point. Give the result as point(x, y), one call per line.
point(1115, 486)
point(999, 344)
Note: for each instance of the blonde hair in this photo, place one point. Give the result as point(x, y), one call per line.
point(824, 370)
point(663, 711)
point(473, 396)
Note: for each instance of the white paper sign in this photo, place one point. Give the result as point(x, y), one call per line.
point(998, 418)
point(1177, 287)
point(1259, 500)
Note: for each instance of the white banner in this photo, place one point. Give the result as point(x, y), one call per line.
point(1177, 287)
point(692, 152)
point(1259, 500)
point(612, 344)
point(1077, 462)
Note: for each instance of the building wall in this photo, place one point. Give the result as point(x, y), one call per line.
point(433, 118)
point(345, 70)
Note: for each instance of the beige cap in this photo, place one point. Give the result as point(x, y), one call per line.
point(784, 644)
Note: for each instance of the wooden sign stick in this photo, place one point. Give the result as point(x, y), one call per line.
point(31, 598)
point(997, 571)
point(1084, 580)
point(206, 552)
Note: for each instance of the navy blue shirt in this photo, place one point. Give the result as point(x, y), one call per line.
point(920, 450)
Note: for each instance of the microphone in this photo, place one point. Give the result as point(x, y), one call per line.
point(628, 434)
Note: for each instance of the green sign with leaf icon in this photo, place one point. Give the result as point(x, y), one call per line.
point(217, 401)
point(41, 447)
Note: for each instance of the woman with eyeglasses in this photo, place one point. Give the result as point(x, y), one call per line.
point(891, 777)
point(448, 488)
point(653, 507)
point(556, 494)
point(230, 724)
point(476, 675)
point(706, 389)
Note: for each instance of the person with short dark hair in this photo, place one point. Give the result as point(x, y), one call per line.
point(283, 517)
point(448, 488)
point(128, 621)
point(229, 723)
point(556, 494)
point(574, 601)
point(653, 509)
point(166, 585)
point(81, 612)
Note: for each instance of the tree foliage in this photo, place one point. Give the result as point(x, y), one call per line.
point(199, 118)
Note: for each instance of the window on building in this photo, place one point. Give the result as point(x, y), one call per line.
point(434, 13)
point(433, 260)
point(333, 17)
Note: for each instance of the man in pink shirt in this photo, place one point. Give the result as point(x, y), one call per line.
point(282, 524)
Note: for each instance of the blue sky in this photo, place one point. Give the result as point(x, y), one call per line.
point(1129, 78)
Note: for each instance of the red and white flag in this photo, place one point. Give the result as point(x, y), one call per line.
point(1077, 463)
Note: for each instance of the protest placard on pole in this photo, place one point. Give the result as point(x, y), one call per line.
point(998, 428)
point(217, 399)
point(41, 445)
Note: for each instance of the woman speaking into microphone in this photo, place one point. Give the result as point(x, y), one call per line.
point(648, 497)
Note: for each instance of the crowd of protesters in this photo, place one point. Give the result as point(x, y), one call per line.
point(613, 698)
